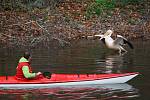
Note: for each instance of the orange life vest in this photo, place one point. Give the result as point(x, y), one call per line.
point(19, 73)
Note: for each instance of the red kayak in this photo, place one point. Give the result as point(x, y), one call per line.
point(68, 79)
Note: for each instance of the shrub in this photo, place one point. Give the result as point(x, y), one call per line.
point(98, 7)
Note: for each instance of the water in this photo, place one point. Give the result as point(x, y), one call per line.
point(82, 57)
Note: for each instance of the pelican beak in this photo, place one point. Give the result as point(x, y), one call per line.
point(106, 34)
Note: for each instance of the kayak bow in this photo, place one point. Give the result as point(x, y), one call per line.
point(68, 79)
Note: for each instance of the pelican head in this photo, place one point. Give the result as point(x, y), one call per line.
point(108, 33)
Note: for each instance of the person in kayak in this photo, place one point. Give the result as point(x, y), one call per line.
point(24, 70)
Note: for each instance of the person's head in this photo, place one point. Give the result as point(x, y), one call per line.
point(26, 55)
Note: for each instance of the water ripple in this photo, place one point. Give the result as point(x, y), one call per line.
point(86, 92)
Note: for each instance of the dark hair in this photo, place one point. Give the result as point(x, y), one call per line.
point(26, 55)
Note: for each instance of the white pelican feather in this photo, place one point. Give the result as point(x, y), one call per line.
point(116, 44)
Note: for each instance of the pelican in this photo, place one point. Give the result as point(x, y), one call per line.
point(116, 44)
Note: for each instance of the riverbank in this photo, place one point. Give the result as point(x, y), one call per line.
point(68, 22)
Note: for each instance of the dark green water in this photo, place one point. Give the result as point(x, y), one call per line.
point(82, 57)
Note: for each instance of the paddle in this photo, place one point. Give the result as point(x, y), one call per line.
point(47, 75)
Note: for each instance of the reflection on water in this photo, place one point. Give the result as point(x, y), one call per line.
point(86, 92)
point(111, 64)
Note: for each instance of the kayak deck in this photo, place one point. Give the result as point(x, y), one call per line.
point(66, 78)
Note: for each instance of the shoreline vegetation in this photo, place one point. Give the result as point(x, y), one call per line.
point(32, 22)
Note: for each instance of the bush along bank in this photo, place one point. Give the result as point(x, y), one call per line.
point(74, 19)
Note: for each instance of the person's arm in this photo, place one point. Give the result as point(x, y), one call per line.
point(26, 72)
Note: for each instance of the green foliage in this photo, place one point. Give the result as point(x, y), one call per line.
point(123, 3)
point(11, 4)
point(94, 8)
point(27, 4)
point(99, 7)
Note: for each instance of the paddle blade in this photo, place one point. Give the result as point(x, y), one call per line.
point(47, 74)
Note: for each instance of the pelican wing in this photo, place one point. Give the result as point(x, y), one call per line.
point(120, 40)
